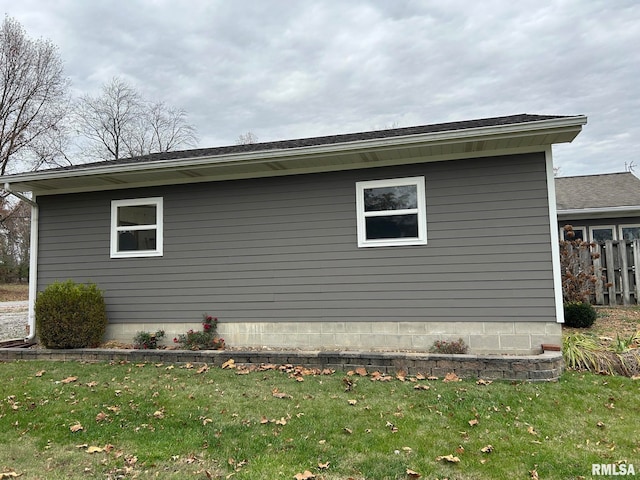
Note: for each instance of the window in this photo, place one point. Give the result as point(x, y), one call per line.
point(630, 232)
point(601, 234)
point(391, 212)
point(136, 228)
point(579, 233)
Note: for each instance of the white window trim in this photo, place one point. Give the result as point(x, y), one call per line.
point(575, 229)
point(629, 225)
point(613, 229)
point(158, 226)
point(421, 211)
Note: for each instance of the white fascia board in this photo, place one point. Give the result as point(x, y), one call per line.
point(450, 136)
point(599, 211)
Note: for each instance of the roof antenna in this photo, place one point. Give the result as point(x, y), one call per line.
point(628, 167)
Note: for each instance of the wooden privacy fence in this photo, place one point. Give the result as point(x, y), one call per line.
point(617, 268)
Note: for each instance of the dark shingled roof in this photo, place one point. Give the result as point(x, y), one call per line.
point(597, 191)
point(326, 140)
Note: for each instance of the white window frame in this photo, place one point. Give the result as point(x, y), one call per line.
point(421, 212)
point(158, 227)
point(575, 229)
point(621, 227)
point(613, 229)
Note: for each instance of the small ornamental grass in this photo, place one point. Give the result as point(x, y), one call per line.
point(205, 339)
point(449, 347)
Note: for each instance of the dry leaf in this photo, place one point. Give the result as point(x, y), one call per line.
point(421, 386)
point(534, 474)
point(487, 449)
point(449, 458)
point(159, 414)
point(600, 425)
point(40, 373)
point(306, 475)
point(282, 421)
point(323, 466)
point(451, 377)
point(203, 368)
point(276, 393)
point(473, 422)
point(348, 430)
point(361, 371)
point(532, 430)
point(69, 380)
point(95, 449)
point(413, 474)
point(76, 428)
point(484, 382)
point(11, 474)
point(352, 402)
point(231, 363)
point(101, 417)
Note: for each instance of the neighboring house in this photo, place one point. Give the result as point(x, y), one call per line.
point(600, 207)
point(382, 240)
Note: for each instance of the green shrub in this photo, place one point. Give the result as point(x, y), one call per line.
point(70, 315)
point(147, 340)
point(579, 315)
point(207, 339)
point(449, 347)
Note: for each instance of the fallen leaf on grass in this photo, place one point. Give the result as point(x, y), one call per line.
point(474, 422)
point(11, 474)
point(361, 371)
point(600, 425)
point(69, 380)
point(451, 377)
point(348, 430)
point(532, 430)
point(101, 417)
point(484, 382)
point(159, 414)
point(323, 466)
point(421, 386)
point(413, 474)
point(40, 373)
point(448, 458)
point(95, 449)
point(487, 449)
point(352, 402)
point(203, 368)
point(76, 428)
point(278, 394)
point(534, 474)
point(306, 475)
point(231, 363)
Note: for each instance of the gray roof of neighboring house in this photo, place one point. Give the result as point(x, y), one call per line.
point(597, 191)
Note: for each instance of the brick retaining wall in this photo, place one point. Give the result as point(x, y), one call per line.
point(546, 366)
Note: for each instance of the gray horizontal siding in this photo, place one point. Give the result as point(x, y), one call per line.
point(285, 248)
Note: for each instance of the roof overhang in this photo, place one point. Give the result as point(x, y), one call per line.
point(526, 137)
point(600, 212)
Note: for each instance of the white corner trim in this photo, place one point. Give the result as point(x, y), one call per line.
point(555, 235)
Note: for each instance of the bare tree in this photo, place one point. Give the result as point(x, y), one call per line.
point(15, 233)
point(247, 139)
point(33, 100)
point(119, 123)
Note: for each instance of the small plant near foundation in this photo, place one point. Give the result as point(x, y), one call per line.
point(205, 339)
point(449, 347)
point(147, 340)
point(579, 314)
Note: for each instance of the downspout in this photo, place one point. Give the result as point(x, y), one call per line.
point(33, 260)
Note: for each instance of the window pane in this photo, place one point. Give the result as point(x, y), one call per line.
point(136, 215)
point(630, 233)
point(602, 234)
point(136, 240)
point(392, 226)
point(390, 198)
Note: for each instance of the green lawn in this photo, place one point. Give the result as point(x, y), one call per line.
point(161, 421)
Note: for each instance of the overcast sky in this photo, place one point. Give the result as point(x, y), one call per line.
point(290, 69)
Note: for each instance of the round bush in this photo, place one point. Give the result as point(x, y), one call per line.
point(579, 315)
point(70, 315)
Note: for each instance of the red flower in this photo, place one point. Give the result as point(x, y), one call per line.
point(207, 326)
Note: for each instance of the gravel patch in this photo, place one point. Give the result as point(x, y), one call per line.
point(14, 318)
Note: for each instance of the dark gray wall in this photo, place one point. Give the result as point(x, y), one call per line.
point(285, 249)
